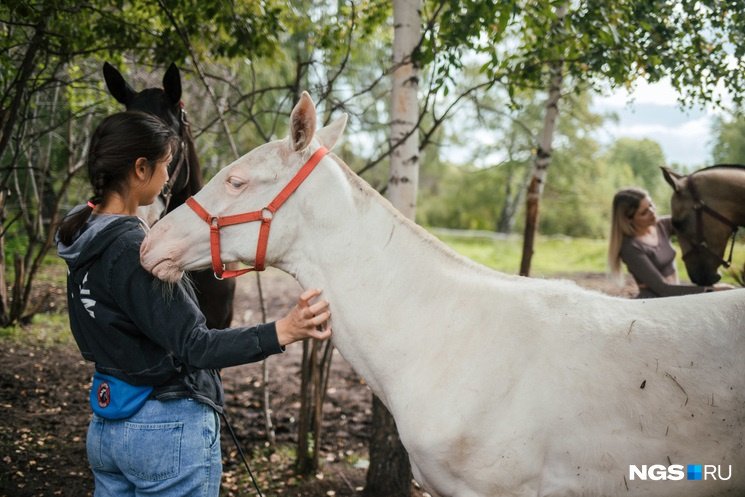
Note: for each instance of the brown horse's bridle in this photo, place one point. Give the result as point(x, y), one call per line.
point(264, 215)
point(167, 191)
point(700, 245)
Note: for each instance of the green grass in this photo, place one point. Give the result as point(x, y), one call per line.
point(47, 329)
point(554, 256)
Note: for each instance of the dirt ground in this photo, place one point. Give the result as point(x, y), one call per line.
point(44, 412)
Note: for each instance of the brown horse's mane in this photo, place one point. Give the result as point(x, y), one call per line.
point(196, 180)
point(740, 167)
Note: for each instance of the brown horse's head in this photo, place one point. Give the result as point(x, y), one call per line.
point(701, 213)
point(165, 103)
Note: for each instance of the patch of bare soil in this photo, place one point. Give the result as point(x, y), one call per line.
point(44, 411)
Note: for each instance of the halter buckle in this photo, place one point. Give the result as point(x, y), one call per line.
point(266, 215)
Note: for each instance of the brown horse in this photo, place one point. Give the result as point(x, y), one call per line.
point(708, 207)
point(215, 297)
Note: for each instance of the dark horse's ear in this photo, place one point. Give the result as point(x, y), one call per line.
point(674, 179)
point(116, 84)
point(172, 83)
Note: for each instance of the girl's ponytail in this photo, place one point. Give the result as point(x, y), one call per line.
point(70, 227)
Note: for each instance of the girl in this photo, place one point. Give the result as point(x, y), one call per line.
point(156, 392)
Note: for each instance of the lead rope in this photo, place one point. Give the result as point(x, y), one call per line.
point(240, 453)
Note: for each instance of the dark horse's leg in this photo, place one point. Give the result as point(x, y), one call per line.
point(215, 298)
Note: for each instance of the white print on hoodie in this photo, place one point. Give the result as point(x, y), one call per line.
point(89, 303)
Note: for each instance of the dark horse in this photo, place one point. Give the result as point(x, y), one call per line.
point(185, 177)
point(707, 207)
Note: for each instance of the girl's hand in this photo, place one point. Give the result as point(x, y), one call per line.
point(302, 321)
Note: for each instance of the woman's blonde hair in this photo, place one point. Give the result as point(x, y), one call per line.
point(625, 203)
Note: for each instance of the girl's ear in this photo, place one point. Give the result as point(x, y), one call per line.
point(141, 169)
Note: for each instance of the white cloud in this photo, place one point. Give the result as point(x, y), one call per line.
point(661, 93)
point(694, 129)
point(652, 111)
point(686, 143)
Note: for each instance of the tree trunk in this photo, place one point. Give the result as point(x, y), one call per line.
point(403, 178)
point(9, 114)
point(3, 288)
point(543, 156)
point(389, 474)
point(506, 218)
point(9, 111)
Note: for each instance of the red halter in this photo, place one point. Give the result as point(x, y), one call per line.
point(264, 215)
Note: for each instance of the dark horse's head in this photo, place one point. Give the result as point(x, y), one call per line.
point(215, 297)
point(186, 178)
point(704, 218)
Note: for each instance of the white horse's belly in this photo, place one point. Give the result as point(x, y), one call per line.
point(567, 422)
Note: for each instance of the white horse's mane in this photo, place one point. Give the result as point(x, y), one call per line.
point(363, 189)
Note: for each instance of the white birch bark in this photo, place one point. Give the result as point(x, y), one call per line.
point(403, 178)
point(543, 156)
point(390, 472)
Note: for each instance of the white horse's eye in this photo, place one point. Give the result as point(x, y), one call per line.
point(235, 182)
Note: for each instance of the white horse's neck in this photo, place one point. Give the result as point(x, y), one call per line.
point(374, 267)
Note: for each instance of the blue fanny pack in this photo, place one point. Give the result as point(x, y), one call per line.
point(112, 398)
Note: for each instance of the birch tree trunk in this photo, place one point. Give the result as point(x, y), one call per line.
point(544, 154)
point(403, 178)
point(389, 474)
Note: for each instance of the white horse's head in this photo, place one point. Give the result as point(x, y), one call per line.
point(181, 240)
point(151, 213)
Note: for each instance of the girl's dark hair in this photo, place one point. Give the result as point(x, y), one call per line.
point(119, 140)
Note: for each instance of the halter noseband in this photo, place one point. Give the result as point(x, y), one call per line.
point(700, 244)
point(264, 215)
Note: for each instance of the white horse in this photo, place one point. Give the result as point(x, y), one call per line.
point(499, 385)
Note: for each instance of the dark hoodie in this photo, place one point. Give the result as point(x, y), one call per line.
point(143, 331)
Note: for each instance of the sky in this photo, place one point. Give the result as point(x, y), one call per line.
point(653, 112)
point(650, 111)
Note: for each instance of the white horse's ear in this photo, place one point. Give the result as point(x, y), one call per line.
point(330, 134)
point(674, 179)
point(302, 123)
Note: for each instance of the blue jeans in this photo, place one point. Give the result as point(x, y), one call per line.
point(169, 448)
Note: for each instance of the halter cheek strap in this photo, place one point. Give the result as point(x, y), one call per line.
point(264, 215)
point(183, 160)
point(700, 208)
